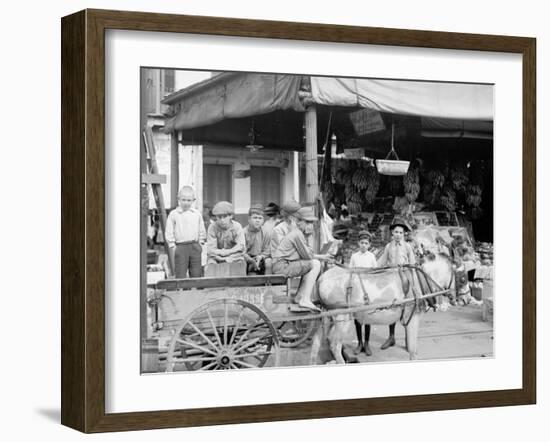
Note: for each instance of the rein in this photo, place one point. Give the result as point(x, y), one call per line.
point(409, 276)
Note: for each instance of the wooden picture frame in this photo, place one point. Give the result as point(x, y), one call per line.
point(83, 220)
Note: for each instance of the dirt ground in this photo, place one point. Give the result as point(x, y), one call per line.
point(458, 332)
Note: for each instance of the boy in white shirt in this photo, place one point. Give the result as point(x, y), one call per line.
point(185, 234)
point(365, 259)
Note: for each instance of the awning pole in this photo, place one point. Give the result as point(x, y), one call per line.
point(312, 173)
point(174, 169)
point(312, 184)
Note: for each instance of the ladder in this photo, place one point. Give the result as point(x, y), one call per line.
point(154, 179)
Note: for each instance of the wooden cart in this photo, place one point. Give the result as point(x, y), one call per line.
point(233, 322)
point(224, 323)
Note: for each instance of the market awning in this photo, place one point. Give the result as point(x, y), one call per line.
point(417, 98)
point(226, 108)
point(232, 96)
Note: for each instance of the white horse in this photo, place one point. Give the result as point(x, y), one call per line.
point(340, 288)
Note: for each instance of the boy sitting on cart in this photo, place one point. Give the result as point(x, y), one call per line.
point(293, 257)
point(225, 238)
point(258, 251)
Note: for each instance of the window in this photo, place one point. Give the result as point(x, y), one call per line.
point(265, 185)
point(216, 184)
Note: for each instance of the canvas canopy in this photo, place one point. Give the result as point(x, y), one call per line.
point(223, 109)
point(230, 96)
point(417, 98)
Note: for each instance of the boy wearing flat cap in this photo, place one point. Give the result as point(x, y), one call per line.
point(397, 252)
point(293, 257)
point(225, 238)
point(185, 234)
point(288, 212)
point(271, 217)
point(258, 251)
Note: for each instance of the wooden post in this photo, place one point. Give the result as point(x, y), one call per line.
point(144, 206)
point(312, 184)
point(174, 169)
point(296, 176)
point(312, 173)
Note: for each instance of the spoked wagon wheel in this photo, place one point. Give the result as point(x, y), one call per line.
point(294, 333)
point(223, 334)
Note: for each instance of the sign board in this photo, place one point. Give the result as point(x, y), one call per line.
point(366, 121)
point(354, 154)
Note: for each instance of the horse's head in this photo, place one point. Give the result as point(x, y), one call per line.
point(449, 273)
point(431, 240)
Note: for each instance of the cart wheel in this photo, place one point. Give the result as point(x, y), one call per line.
point(294, 333)
point(223, 334)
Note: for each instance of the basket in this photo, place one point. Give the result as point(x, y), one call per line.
point(392, 167)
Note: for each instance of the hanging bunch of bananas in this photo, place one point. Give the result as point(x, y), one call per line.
point(458, 178)
point(411, 184)
point(373, 184)
point(474, 190)
point(434, 180)
point(359, 178)
point(448, 199)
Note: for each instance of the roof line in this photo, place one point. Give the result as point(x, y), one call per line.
point(196, 87)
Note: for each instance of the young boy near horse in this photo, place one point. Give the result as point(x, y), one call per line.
point(293, 257)
point(185, 234)
point(397, 252)
point(226, 241)
point(363, 258)
point(258, 252)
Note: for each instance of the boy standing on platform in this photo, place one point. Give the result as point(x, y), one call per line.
point(185, 234)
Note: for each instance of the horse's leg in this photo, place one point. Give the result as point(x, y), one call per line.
point(316, 345)
point(411, 335)
point(390, 342)
point(336, 337)
point(320, 351)
point(368, 351)
point(358, 331)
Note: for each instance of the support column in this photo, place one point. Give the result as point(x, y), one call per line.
point(312, 184)
point(174, 169)
point(296, 176)
point(312, 181)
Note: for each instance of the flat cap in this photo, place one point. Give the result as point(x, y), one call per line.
point(256, 209)
point(223, 208)
point(272, 209)
point(307, 214)
point(290, 207)
point(364, 234)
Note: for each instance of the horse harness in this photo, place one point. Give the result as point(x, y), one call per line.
point(406, 273)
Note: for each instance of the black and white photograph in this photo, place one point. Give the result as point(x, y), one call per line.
point(303, 220)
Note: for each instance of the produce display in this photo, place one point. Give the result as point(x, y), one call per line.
point(485, 252)
point(436, 188)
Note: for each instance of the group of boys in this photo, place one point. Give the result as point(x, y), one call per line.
point(274, 241)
